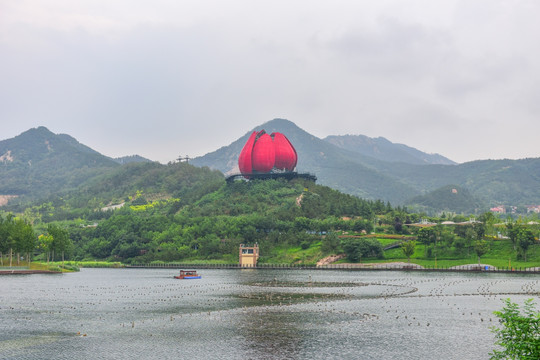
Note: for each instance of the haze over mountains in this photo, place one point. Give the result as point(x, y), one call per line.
point(38, 163)
point(379, 169)
point(382, 149)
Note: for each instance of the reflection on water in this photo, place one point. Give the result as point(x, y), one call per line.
point(255, 314)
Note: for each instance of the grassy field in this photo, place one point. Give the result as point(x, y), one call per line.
point(294, 255)
point(500, 255)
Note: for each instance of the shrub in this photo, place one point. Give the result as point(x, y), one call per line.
point(355, 249)
point(519, 335)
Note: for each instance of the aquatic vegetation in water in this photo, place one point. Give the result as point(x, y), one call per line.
point(285, 298)
point(300, 284)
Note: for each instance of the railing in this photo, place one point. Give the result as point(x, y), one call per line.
point(351, 267)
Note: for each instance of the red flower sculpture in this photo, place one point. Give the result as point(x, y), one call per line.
point(264, 152)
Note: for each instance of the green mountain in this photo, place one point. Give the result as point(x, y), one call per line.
point(382, 149)
point(137, 183)
point(131, 159)
point(450, 198)
point(334, 167)
point(153, 180)
point(493, 182)
point(38, 162)
point(276, 214)
point(349, 169)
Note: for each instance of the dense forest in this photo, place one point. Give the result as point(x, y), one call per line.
point(272, 213)
point(147, 212)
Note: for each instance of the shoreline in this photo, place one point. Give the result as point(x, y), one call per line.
point(27, 272)
point(394, 266)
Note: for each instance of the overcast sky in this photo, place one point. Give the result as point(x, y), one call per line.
point(164, 78)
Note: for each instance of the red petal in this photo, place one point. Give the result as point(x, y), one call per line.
point(244, 160)
point(263, 155)
point(286, 156)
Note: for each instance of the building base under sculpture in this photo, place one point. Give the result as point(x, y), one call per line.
point(272, 175)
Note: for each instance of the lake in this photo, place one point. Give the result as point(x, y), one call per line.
point(255, 314)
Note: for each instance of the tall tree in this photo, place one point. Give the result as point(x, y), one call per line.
point(524, 241)
point(61, 241)
point(45, 244)
point(427, 236)
point(6, 237)
point(408, 249)
point(3, 240)
point(23, 238)
point(481, 247)
point(513, 232)
point(28, 241)
point(470, 236)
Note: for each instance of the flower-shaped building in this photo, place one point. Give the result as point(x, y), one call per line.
point(265, 153)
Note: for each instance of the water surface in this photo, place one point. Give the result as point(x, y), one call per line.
point(254, 314)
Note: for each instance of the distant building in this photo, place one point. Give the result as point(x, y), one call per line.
point(423, 223)
point(533, 208)
point(498, 209)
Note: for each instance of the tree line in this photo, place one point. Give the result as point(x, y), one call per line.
point(276, 214)
point(18, 236)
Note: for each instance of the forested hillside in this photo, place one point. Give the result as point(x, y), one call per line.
point(130, 159)
point(147, 212)
point(383, 149)
point(134, 183)
point(449, 198)
point(379, 170)
point(493, 182)
point(38, 163)
point(273, 213)
point(337, 168)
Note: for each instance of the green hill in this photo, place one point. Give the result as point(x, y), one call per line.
point(37, 163)
point(294, 222)
point(348, 168)
point(139, 183)
point(131, 159)
point(334, 167)
point(382, 149)
point(493, 182)
point(210, 218)
point(451, 198)
point(146, 211)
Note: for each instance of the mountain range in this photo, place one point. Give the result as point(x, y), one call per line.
point(382, 149)
point(39, 163)
point(378, 169)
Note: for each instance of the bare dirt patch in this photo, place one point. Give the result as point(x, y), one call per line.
point(4, 199)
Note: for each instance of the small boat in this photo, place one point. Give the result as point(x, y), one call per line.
point(188, 274)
